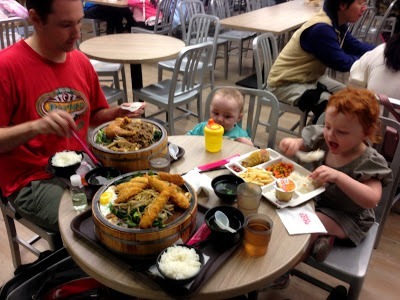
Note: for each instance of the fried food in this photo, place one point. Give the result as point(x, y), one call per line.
point(173, 178)
point(125, 194)
point(177, 196)
point(131, 185)
point(256, 158)
point(154, 208)
point(257, 176)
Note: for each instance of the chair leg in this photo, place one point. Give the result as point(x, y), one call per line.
point(12, 240)
point(170, 119)
point(160, 71)
point(226, 59)
point(355, 289)
point(240, 57)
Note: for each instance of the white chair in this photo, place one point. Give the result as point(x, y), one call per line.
point(265, 51)
point(171, 94)
point(164, 19)
point(12, 30)
point(350, 264)
point(10, 216)
point(221, 9)
point(258, 99)
point(200, 28)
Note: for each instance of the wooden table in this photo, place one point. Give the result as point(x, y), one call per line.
point(239, 275)
point(115, 3)
point(278, 19)
point(134, 49)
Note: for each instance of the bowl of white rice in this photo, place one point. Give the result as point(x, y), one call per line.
point(65, 163)
point(180, 264)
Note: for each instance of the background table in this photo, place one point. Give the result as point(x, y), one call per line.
point(278, 19)
point(134, 49)
point(240, 274)
point(115, 3)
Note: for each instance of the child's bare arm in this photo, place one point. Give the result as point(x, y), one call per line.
point(244, 141)
point(289, 146)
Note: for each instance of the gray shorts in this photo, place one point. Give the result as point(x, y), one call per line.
point(291, 93)
point(39, 202)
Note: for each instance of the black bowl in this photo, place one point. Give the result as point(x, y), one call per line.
point(221, 237)
point(100, 176)
point(184, 281)
point(225, 186)
point(66, 171)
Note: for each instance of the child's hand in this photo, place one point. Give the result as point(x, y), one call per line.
point(325, 174)
point(289, 146)
point(244, 141)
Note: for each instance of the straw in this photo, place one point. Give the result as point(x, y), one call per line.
point(87, 150)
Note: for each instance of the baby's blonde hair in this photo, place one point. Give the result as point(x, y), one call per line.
point(231, 93)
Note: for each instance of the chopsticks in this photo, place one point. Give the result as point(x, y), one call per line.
point(87, 150)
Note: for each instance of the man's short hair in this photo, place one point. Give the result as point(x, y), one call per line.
point(42, 7)
point(333, 5)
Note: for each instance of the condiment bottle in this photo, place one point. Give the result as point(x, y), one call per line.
point(213, 134)
point(79, 199)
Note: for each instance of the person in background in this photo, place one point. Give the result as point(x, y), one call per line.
point(298, 75)
point(47, 90)
point(379, 70)
point(353, 172)
point(112, 15)
point(226, 109)
point(144, 13)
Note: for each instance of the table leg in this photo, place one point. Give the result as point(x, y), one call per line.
point(136, 76)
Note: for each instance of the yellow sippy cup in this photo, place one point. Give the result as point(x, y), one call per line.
point(213, 134)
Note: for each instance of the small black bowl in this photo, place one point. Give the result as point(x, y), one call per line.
point(184, 281)
point(225, 187)
point(66, 171)
point(100, 176)
point(221, 237)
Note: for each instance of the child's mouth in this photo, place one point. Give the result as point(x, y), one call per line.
point(333, 145)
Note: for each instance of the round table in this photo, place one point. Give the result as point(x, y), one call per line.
point(240, 274)
point(134, 49)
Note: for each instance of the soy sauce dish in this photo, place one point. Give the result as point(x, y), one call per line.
point(180, 264)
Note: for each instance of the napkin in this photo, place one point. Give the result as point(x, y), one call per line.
point(200, 182)
point(301, 219)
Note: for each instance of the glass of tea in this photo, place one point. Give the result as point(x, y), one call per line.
point(159, 162)
point(257, 234)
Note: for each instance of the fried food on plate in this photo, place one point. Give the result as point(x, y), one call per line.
point(256, 158)
point(126, 194)
point(177, 196)
point(257, 176)
point(131, 185)
point(173, 178)
point(154, 208)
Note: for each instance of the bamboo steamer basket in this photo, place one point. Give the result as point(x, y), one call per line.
point(131, 160)
point(136, 243)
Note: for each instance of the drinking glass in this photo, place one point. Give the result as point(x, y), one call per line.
point(248, 197)
point(159, 162)
point(257, 234)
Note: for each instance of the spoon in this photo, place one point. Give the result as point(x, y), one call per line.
point(310, 156)
point(222, 221)
point(173, 150)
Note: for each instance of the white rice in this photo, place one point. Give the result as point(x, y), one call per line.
point(179, 262)
point(66, 158)
point(304, 183)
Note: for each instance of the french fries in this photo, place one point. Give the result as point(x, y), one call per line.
point(257, 176)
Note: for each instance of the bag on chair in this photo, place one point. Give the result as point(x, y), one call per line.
point(391, 136)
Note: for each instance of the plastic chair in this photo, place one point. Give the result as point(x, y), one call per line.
point(350, 264)
point(171, 94)
point(265, 50)
point(221, 9)
point(10, 216)
point(257, 99)
point(12, 30)
point(164, 18)
point(200, 26)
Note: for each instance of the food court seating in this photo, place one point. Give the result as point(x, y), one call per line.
point(382, 24)
point(164, 18)
point(350, 264)
point(171, 94)
point(200, 29)
point(257, 100)
point(12, 30)
point(10, 216)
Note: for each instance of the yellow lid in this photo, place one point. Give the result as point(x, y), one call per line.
point(212, 125)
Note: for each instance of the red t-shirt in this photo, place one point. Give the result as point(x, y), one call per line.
point(31, 87)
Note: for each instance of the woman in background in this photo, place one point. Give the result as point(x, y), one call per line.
point(144, 13)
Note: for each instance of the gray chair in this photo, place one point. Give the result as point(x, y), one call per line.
point(221, 9)
point(350, 264)
point(187, 9)
point(171, 94)
point(94, 25)
point(12, 30)
point(265, 50)
point(200, 29)
point(381, 24)
point(258, 99)
point(361, 28)
point(164, 18)
point(253, 5)
point(10, 216)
